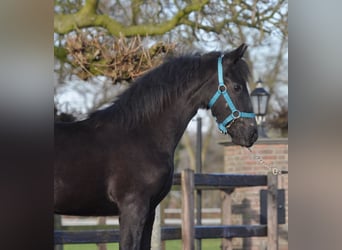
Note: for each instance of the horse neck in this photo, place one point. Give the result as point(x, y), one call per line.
point(169, 126)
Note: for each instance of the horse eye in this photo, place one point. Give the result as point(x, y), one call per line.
point(237, 87)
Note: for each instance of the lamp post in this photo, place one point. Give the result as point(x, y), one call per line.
point(260, 98)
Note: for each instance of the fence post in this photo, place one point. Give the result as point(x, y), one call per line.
point(156, 232)
point(58, 225)
point(272, 211)
point(102, 246)
point(188, 216)
point(199, 171)
point(227, 216)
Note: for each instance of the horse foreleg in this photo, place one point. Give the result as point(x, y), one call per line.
point(132, 222)
point(147, 233)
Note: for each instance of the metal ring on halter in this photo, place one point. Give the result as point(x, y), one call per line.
point(236, 116)
point(222, 90)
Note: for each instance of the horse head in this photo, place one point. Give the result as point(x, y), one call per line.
point(230, 102)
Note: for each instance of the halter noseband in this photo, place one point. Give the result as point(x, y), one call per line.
point(222, 90)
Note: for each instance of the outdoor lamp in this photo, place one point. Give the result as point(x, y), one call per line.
point(260, 98)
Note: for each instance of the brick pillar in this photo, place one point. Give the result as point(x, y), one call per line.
point(246, 205)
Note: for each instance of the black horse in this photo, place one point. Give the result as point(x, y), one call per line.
point(119, 161)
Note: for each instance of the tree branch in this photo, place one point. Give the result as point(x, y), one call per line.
point(61, 53)
point(87, 17)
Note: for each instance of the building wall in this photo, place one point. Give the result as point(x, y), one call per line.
point(266, 154)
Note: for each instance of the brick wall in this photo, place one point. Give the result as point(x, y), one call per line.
point(246, 205)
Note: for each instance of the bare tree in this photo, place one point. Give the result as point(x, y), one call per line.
point(138, 17)
point(194, 23)
point(87, 33)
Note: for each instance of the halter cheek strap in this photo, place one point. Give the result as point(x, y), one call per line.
point(222, 90)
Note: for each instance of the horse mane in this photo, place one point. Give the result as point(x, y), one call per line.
point(151, 93)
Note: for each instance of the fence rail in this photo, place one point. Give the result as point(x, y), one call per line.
point(221, 181)
point(167, 233)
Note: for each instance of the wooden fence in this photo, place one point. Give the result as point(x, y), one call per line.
point(188, 232)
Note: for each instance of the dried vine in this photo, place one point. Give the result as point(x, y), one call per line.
point(118, 58)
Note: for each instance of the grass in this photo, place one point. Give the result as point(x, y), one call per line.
point(208, 244)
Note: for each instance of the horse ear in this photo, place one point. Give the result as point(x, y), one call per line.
point(239, 52)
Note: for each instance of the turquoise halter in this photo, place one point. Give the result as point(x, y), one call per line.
point(222, 90)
